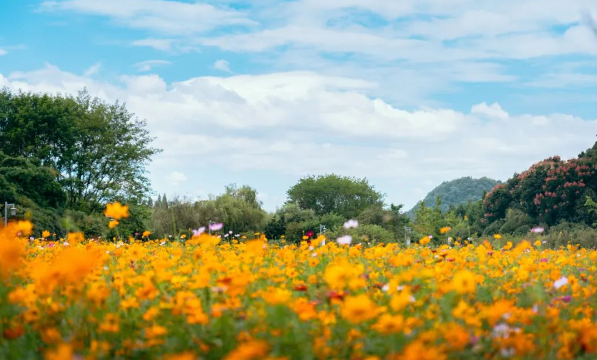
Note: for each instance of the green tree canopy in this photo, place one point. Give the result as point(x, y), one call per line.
point(344, 196)
point(550, 191)
point(98, 150)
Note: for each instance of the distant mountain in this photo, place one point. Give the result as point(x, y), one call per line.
point(458, 191)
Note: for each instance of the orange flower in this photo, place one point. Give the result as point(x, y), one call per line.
point(464, 282)
point(254, 349)
point(116, 210)
point(62, 352)
point(445, 229)
point(360, 308)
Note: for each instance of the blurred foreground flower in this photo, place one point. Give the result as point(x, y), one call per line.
point(215, 226)
point(351, 224)
point(116, 210)
point(344, 240)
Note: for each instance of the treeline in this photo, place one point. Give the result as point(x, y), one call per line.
point(62, 158)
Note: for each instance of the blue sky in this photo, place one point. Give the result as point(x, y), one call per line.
point(406, 93)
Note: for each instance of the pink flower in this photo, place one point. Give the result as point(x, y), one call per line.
point(199, 231)
point(350, 224)
point(537, 230)
point(216, 226)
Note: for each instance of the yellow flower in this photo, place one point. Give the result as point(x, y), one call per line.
point(537, 243)
point(146, 233)
point(360, 308)
point(116, 210)
point(23, 228)
point(445, 229)
point(113, 223)
point(45, 234)
point(497, 236)
point(508, 245)
point(277, 296)
point(389, 324)
point(424, 240)
point(75, 237)
point(464, 282)
point(401, 300)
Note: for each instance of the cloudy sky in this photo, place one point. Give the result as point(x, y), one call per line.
point(407, 93)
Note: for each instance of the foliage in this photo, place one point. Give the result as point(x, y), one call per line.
point(99, 150)
point(592, 209)
point(549, 192)
point(457, 192)
point(365, 233)
point(35, 190)
point(344, 196)
point(95, 152)
point(238, 208)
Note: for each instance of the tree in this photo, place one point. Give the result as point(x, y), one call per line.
point(428, 221)
point(99, 150)
point(238, 209)
point(550, 192)
point(34, 189)
point(344, 196)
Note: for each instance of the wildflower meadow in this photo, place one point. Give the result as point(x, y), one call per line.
point(207, 297)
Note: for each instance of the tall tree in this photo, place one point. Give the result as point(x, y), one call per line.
point(99, 150)
point(344, 196)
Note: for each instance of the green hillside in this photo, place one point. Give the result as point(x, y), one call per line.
point(458, 191)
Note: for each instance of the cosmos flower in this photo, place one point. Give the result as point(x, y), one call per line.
point(537, 230)
point(344, 240)
point(197, 232)
point(116, 210)
point(563, 281)
point(351, 224)
point(216, 226)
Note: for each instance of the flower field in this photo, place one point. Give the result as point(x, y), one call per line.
point(210, 299)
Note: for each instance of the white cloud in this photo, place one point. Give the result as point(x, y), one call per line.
point(172, 17)
point(3, 52)
point(492, 111)
point(296, 123)
point(222, 65)
point(93, 69)
point(148, 65)
point(158, 44)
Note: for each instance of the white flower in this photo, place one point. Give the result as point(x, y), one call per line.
point(537, 230)
point(501, 330)
point(351, 224)
point(162, 243)
point(386, 287)
point(344, 240)
point(560, 282)
point(323, 242)
point(66, 244)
